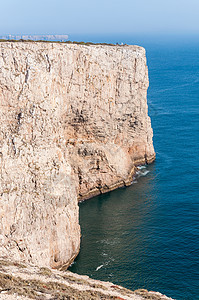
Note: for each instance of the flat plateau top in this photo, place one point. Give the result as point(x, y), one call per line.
point(29, 44)
point(66, 42)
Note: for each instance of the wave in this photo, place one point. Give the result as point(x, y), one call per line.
point(142, 173)
point(141, 167)
point(176, 87)
point(113, 241)
point(134, 181)
point(98, 268)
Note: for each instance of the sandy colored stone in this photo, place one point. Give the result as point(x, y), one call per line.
point(73, 123)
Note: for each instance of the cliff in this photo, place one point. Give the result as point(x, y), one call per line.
point(74, 123)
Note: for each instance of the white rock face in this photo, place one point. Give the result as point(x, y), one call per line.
point(74, 123)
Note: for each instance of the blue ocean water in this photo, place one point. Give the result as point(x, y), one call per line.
point(147, 235)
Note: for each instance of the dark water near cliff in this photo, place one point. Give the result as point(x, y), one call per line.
point(147, 235)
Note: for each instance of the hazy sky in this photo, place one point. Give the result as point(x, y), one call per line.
point(99, 16)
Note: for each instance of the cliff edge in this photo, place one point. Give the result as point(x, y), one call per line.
point(24, 282)
point(74, 123)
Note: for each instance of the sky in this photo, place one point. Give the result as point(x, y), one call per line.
point(99, 17)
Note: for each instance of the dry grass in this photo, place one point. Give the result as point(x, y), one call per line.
point(4, 262)
point(59, 42)
point(39, 290)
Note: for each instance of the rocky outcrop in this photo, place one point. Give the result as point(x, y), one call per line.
point(19, 281)
point(74, 123)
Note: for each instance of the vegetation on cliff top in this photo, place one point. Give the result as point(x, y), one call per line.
point(64, 42)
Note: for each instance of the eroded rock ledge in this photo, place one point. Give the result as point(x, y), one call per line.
point(23, 282)
point(74, 123)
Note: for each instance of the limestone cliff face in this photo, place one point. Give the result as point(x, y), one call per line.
point(74, 123)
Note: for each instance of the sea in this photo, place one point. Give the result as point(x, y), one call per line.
point(147, 235)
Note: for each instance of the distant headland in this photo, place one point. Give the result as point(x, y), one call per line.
point(36, 37)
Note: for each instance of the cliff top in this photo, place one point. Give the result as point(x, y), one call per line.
point(67, 42)
point(62, 42)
